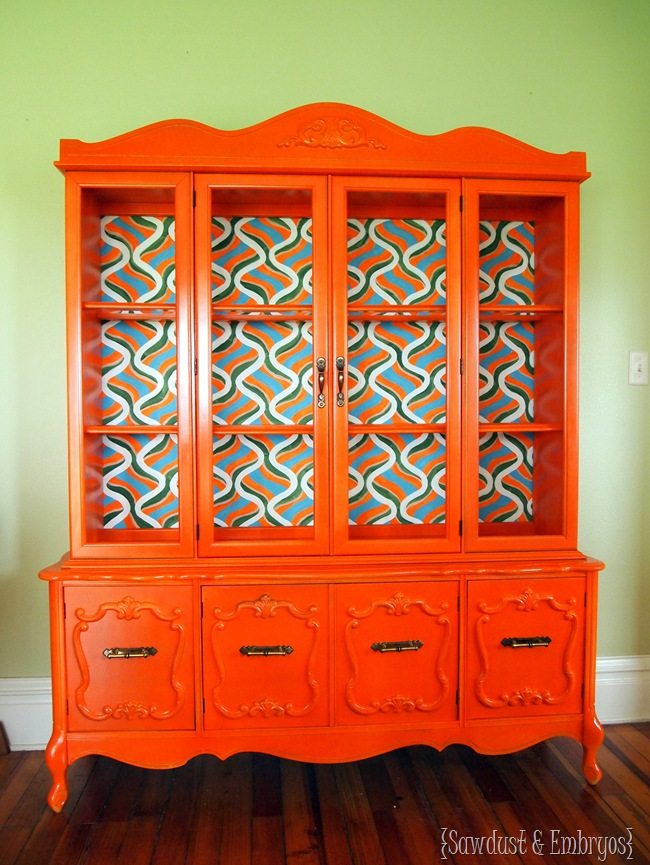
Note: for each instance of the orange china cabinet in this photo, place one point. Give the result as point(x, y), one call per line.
point(323, 445)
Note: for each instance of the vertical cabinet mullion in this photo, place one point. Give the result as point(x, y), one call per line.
point(396, 334)
point(261, 300)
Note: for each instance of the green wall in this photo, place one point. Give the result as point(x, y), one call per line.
point(560, 74)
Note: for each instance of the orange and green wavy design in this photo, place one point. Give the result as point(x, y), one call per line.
point(261, 260)
point(397, 479)
point(138, 372)
point(507, 262)
point(137, 259)
point(397, 372)
point(506, 477)
point(262, 372)
point(139, 481)
point(506, 371)
point(396, 261)
point(263, 480)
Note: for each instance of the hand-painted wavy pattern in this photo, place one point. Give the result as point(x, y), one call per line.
point(396, 372)
point(262, 372)
point(138, 363)
point(137, 259)
point(396, 261)
point(261, 260)
point(506, 477)
point(507, 262)
point(263, 480)
point(397, 478)
point(506, 371)
point(139, 481)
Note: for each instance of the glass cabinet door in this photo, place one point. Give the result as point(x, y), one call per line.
point(129, 245)
point(395, 375)
point(521, 271)
point(261, 258)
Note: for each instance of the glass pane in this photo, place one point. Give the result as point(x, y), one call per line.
point(137, 259)
point(262, 372)
point(397, 372)
point(506, 478)
point(139, 481)
point(263, 480)
point(396, 261)
point(397, 479)
point(507, 262)
point(261, 260)
point(138, 372)
point(506, 371)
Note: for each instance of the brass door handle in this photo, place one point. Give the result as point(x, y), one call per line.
point(130, 652)
point(265, 651)
point(320, 366)
point(398, 646)
point(525, 642)
point(340, 377)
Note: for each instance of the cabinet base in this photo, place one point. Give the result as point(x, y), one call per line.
point(324, 745)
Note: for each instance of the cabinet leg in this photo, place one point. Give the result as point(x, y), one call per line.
point(56, 758)
point(592, 738)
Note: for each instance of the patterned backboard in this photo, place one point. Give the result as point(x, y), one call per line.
point(262, 372)
point(396, 261)
point(507, 262)
point(397, 372)
point(397, 479)
point(138, 372)
point(263, 480)
point(137, 259)
point(506, 477)
point(506, 371)
point(261, 260)
point(139, 481)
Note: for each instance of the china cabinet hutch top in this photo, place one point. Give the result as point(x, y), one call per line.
point(367, 334)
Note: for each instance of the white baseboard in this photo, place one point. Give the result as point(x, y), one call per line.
point(623, 689)
point(622, 696)
point(26, 712)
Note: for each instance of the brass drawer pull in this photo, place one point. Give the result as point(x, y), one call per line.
point(134, 652)
point(266, 650)
point(398, 646)
point(525, 642)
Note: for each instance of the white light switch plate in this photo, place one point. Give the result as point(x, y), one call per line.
point(638, 373)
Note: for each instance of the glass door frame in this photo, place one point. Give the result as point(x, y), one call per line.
point(539, 190)
point(84, 189)
point(385, 541)
point(290, 540)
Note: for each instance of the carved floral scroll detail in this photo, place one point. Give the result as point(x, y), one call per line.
point(264, 607)
point(129, 609)
point(332, 133)
point(397, 605)
point(527, 601)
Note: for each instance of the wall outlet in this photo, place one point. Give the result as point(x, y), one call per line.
point(638, 371)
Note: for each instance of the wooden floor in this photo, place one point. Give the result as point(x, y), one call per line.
point(397, 809)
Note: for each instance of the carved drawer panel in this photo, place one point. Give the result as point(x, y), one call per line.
point(397, 653)
point(130, 660)
point(265, 656)
point(526, 646)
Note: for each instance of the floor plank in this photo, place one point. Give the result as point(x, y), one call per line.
point(394, 809)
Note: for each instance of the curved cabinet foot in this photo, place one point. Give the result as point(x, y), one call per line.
point(592, 739)
point(57, 762)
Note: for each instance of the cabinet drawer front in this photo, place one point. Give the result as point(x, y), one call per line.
point(265, 656)
point(130, 661)
point(397, 653)
point(526, 647)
